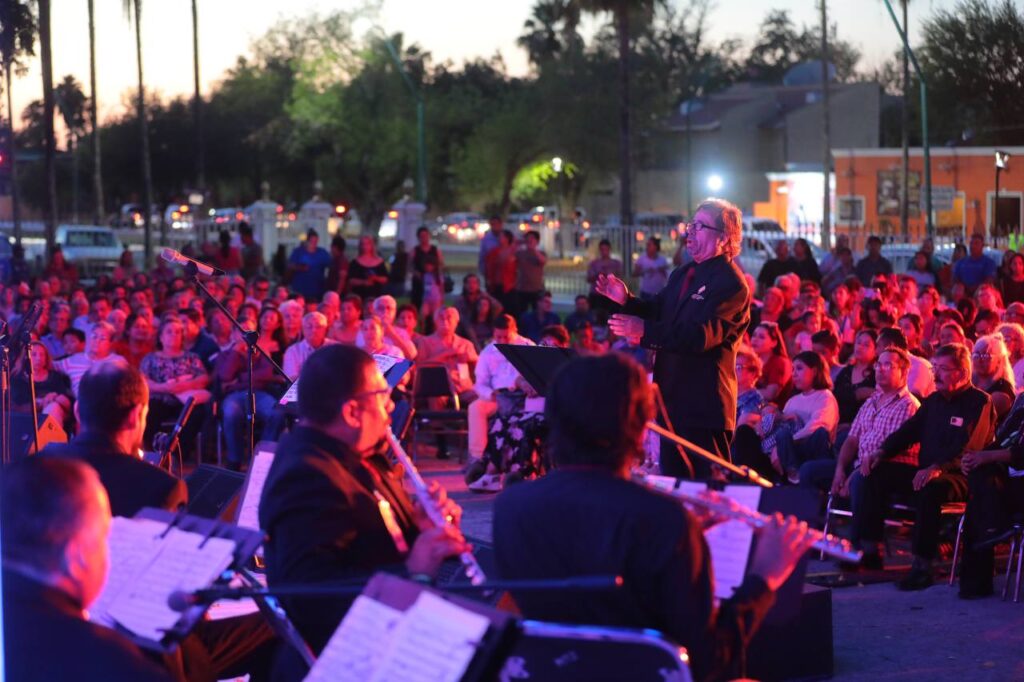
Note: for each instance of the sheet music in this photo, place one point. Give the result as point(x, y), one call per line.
point(730, 542)
point(132, 543)
point(357, 647)
point(433, 641)
point(249, 509)
point(385, 362)
point(181, 564)
point(291, 395)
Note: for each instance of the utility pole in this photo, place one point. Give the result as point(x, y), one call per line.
point(905, 179)
point(826, 206)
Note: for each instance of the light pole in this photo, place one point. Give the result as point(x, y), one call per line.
point(1002, 161)
point(417, 95)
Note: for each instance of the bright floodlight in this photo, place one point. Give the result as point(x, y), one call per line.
point(556, 164)
point(715, 182)
point(1002, 159)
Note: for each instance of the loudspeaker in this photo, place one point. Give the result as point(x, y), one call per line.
point(22, 442)
point(799, 648)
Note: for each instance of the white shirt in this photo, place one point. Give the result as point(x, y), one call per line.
point(920, 381)
point(494, 371)
point(817, 410)
point(297, 354)
point(1018, 374)
point(75, 366)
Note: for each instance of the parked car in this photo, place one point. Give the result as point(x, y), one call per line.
point(94, 249)
point(461, 227)
point(757, 247)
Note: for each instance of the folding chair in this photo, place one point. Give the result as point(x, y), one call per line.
point(432, 381)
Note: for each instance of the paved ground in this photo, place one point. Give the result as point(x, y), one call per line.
point(880, 633)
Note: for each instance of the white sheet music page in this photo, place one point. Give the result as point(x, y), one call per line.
point(434, 642)
point(291, 395)
point(249, 510)
point(133, 543)
point(186, 562)
point(385, 362)
point(730, 543)
point(357, 648)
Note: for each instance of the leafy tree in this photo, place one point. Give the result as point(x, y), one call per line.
point(780, 46)
point(71, 103)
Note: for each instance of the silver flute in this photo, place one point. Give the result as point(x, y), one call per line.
point(431, 508)
point(721, 505)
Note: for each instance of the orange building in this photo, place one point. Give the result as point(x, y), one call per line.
point(867, 193)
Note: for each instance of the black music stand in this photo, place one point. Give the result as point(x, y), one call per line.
point(537, 364)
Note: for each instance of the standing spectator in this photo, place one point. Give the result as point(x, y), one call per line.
point(581, 314)
point(604, 264)
point(367, 272)
point(490, 241)
point(839, 274)
point(976, 269)
point(1011, 284)
point(782, 264)
point(338, 271)
point(530, 262)
point(398, 270)
point(346, 329)
point(227, 257)
point(921, 270)
point(652, 269)
point(833, 259)
point(308, 265)
point(279, 263)
point(427, 275)
point(874, 263)
point(533, 322)
point(59, 267)
point(804, 264)
point(500, 269)
point(252, 252)
point(314, 335)
point(98, 350)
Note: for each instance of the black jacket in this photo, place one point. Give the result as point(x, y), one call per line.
point(589, 522)
point(131, 483)
point(47, 639)
point(324, 525)
point(695, 333)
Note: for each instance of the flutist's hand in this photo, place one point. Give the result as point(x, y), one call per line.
point(434, 546)
point(451, 511)
point(780, 545)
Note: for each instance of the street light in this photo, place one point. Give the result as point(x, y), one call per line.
point(715, 182)
point(1002, 163)
point(556, 164)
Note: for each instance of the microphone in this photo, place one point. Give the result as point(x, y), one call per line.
point(172, 256)
point(180, 600)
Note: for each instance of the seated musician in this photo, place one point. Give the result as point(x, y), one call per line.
point(332, 506)
point(586, 517)
point(113, 405)
point(55, 518)
point(955, 418)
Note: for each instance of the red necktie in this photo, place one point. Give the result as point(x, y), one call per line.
point(687, 281)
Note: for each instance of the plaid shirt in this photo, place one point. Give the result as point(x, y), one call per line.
point(879, 416)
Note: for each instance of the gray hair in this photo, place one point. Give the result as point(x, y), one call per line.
point(728, 219)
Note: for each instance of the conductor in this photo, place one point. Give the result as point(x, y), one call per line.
point(695, 324)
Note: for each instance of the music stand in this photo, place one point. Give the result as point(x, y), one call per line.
point(537, 364)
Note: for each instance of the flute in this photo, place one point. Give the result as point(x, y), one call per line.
point(721, 505)
point(469, 563)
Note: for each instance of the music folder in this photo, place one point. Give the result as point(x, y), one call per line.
point(402, 630)
point(537, 364)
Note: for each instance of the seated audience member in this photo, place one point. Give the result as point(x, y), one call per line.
point(346, 329)
point(561, 525)
point(584, 343)
point(58, 323)
point(445, 347)
point(580, 314)
point(912, 327)
point(748, 398)
point(885, 411)
point(371, 339)
point(56, 518)
point(52, 388)
point(985, 322)
point(74, 342)
point(480, 323)
point(471, 294)
point(494, 375)
point(652, 268)
point(322, 500)
point(813, 415)
point(856, 381)
point(407, 319)
point(1013, 336)
point(533, 321)
point(97, 351)
point(956, 418)
point(140, 340)
point(776, 369)
point(291, 318)
point(921, 380)
point(174, 375)
point(314, 335)
point(385, 309)
point(993, 373)
point(826, 344)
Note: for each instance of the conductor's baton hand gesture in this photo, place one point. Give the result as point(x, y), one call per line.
point(612, 287)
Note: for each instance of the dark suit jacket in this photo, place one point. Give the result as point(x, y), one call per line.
point(590, 522)
point(47, 639)
point(324, 525)
point(130, 482)
point(695, 333)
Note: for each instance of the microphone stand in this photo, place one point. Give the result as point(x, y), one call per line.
point(251, 338)
point(32, 389)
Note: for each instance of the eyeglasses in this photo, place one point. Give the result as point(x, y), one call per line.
point(944, 368)
point(369, 394)
point(695, 227)
point(982, 356)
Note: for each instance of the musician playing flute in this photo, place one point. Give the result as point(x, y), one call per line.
point(695, 325)
point(333, 507)
point(587, 517)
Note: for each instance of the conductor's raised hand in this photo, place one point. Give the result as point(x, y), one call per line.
point(434, 546)
point(612, 287)
point(780, 545)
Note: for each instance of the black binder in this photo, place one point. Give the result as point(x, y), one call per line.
point(537, 364)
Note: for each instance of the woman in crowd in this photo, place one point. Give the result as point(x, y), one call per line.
point(234, 299)
point(920, 270)
point(1011, 282)
point(841, 310)
point(174, 375)
point(777, 370)
point(773, 306)
point(427, 277)
point(371, 339)
point(140, 340)
point(53, 388)
point(993, 373)
point(951, 332)
point(987, 297)
point(1013, 336)
point(481, 321)
point(856, 381)
point(367, 272)
point(748, 399)
point(248, 315)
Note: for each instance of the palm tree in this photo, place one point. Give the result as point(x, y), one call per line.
point(17, 40)
point(71, 104)
point(133, 9)
point(197, 102)
point(50, 153)
point(97, 166)
point(550, 29)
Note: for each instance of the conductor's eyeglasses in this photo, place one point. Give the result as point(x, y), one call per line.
point(695, 227)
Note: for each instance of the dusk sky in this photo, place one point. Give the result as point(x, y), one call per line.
point(449, 29)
